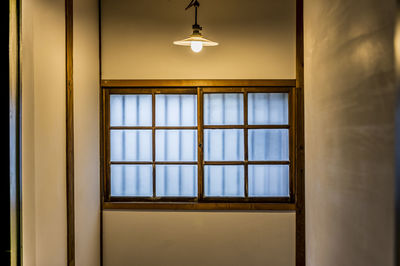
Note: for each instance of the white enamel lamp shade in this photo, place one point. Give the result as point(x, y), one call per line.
point(196, 42)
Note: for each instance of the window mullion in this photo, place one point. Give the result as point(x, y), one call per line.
point(153, 130)
point(246, 154)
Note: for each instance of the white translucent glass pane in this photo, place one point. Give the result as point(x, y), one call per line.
point(267, 108)
point(132, 180)
point(176, 145)
point(224, 180)
point(176, 110)
point(176, 180)
point(130, 110)
point(268, 180)
point(223, 109)
point(268, 145)
point(131, 145)
point(223, 145)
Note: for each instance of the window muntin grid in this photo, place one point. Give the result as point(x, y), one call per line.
point(257, 169)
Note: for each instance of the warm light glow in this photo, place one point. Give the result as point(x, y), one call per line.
point(196, 46)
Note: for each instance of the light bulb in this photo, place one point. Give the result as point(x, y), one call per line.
point(196, 46)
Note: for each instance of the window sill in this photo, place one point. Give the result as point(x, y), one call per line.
point(198, 206)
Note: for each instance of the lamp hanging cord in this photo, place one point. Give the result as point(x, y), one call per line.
point(193, 3)
point(196, 5)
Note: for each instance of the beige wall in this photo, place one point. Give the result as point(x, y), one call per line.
point(257, 42)
point(198, 238)
point(257, 39)
point(86, 122)
point(349, 121)
point(43, 133)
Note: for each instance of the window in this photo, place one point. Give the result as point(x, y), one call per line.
point(191, 146)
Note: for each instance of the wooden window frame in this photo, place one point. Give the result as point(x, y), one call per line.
point(199, 88)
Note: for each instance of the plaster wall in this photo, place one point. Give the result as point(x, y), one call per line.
point(257, 39)
point(350, 99)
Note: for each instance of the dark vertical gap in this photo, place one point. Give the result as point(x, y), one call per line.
point(300, 199)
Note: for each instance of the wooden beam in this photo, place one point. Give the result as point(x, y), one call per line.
point(199, 83)
point(70, 176)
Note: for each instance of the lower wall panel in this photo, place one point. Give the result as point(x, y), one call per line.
point(198, 238)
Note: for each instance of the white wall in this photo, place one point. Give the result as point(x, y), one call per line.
point(43, 133)
point(350, 99)
point(257, 39)
point(257, 42)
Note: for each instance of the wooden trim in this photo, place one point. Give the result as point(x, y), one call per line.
point(107, 158)
point(102, 139)
point(199, 206)
point(200, 143)
point(246, 144)
point(153, 141)
point(248, 89)
point(300, 164)
point(153, 127)
point(70, 134)
point(246, 162)
point(246, 126)
point(151, 90)
point(199, 83)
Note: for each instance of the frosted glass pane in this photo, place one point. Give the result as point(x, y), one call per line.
point(132, 180)
point(269, 145)
point(224, 180)
point(131, 145)
point(223, 109)
point(267, 108)
point(223, 145)
point(268, 180)
point(176, 145)
point(176, 110)
point(176, 180)
point(130, 110)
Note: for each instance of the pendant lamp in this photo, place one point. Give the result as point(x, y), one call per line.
point(196, 40)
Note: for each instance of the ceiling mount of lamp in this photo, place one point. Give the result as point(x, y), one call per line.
point(196, 41)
